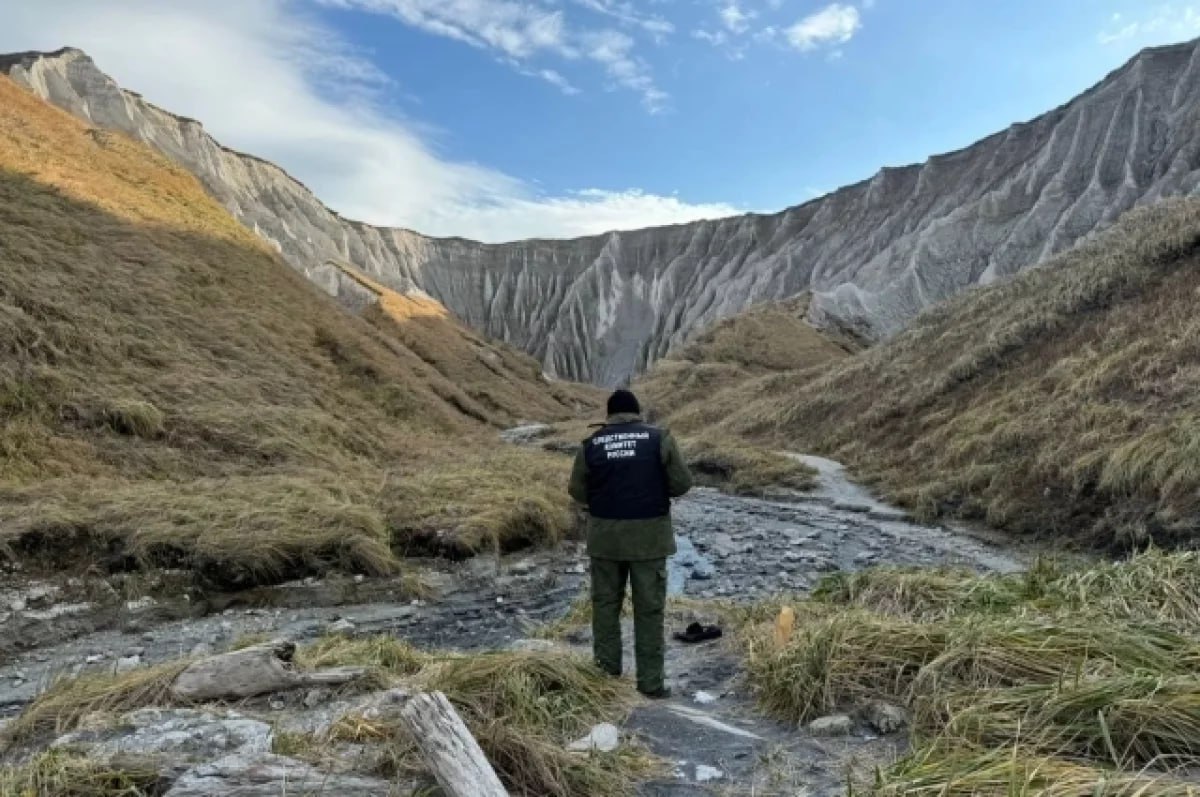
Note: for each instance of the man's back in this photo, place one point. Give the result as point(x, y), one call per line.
point(626, 479)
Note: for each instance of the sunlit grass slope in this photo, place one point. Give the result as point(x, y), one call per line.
point(172, 394)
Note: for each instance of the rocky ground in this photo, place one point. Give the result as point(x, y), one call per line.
point(730, 547)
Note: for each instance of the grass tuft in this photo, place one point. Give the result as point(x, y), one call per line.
point(1061, 680)
point(60, 774)
point(60, 708)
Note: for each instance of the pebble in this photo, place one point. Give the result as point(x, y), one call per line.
point(704, 698)
point(127, 663)
point(833, 725)
point(94, 658)
point(604, 737)
point(342, 626)
point(705, 773)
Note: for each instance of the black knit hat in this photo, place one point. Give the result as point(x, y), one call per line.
point(623, 402)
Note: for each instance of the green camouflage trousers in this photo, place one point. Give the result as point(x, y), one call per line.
point(649, 582)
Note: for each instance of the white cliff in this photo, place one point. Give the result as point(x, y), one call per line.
point(603, 307)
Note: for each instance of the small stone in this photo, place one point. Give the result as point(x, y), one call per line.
point(833, 725)
point(342, 626)
point(704, 698)
point(533, 645)
point(705, 773)
point(359, 578)
point(604, 737)
point(499, 600)
point(277, 704)
point(17, 605)
point(885, 717)
point(95, 658)
point(127, 663)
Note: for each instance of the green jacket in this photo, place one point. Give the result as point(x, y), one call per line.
point(633, 540)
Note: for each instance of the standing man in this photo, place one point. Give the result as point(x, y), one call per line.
point(627, 473)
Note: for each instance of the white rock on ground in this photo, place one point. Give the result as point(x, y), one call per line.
point(127, 663)
point(342, 626)
point(524, 435)
point(604, 738)
point(705, 773)
point(704, 698)
point(533, 646)
point(833, 725)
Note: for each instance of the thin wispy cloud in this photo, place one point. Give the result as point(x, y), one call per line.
point(627, 14)
point(832, 25)
point(1164, 19)
point(739, 23)
point(264, 89)
point(521, 33)
point(735, 18)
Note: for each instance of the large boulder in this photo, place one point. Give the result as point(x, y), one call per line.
point(181, 735)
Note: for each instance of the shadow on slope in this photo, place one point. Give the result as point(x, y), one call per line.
point(172, 394)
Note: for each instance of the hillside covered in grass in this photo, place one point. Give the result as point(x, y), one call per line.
point(769, 338)
point(171, 394)
point(1063, 403)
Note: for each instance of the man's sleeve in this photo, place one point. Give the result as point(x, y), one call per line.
point(578, 486)
point(679, 480)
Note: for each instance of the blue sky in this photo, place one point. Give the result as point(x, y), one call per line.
point(501, 119)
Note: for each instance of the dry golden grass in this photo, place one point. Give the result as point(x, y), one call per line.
point(1058, 681)
point(743, 468)
point(61, 774)
point(768, 338)
point(60, 708)
point(172, 393)
point(1065, 402)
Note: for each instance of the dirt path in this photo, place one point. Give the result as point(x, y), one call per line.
point(730, 547)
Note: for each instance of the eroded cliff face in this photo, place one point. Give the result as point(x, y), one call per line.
point(604, 307)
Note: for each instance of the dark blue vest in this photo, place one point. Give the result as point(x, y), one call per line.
point(626, 480)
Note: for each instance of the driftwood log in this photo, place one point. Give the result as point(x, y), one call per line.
point(448, 748)
point(256, 670)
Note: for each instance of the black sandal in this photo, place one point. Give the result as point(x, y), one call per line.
point(698, 633)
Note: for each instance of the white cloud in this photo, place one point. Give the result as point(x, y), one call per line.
point(521, 31)
point(589, 212)
point(734, 18)
point(258, 75)
point(834, 24)
point(1166, 20)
